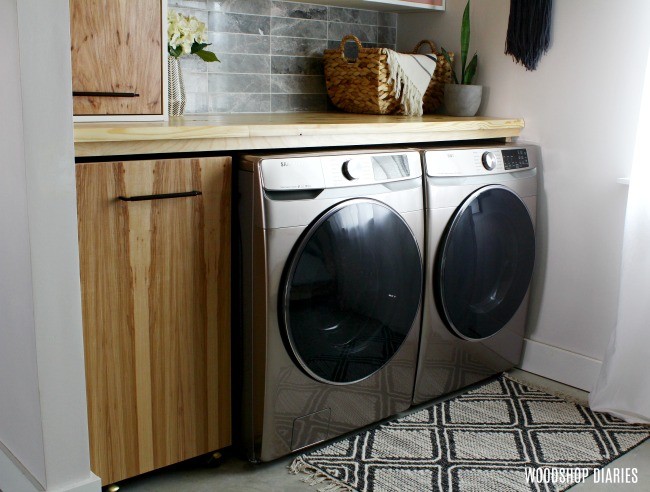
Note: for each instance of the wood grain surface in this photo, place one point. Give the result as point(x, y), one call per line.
point(117, 47)
point(283, 130)
point(156, 308)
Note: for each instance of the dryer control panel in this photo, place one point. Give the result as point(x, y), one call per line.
point(338, 170)
point(479, 161)
point(515, 159)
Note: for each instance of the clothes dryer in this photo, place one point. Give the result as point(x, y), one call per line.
point(480, 230)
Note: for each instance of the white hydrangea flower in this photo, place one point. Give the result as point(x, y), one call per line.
point(183, 31)
point(173, 29)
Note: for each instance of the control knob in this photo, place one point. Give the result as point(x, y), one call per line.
point(489, 160)
point(353, 169)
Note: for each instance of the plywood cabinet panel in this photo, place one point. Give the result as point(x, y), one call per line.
point(117, 48)
point(156, 306)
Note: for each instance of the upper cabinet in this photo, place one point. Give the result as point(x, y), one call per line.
point(117, 57)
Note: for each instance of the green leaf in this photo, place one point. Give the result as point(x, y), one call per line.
point(471, 70)
point(448, 58)
point(198, 47)
point(464, 40)
point(175, 52)
point(207, 56)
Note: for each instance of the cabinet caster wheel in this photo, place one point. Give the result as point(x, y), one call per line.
point(112, 488)
point(214, 460)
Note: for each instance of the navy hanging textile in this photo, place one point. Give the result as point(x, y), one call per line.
point(529, 31)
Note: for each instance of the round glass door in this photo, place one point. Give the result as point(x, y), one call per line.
point(485, 263)
point(351, 291)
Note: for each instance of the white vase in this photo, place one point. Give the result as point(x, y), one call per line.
point(176, 89)
point(462, 100)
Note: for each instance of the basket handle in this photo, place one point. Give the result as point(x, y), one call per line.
point(431, 44)
point(349, 37)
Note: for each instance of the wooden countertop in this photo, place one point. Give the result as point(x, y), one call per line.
point(225, 132)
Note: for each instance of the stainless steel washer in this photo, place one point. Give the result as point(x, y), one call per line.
point(480, 219)
point(332, 284)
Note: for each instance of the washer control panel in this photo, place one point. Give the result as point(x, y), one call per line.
point(515, 159)
point(335, 171)
point(479, 161)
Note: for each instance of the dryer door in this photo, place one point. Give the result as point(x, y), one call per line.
point(350, 291)
point(484, 263)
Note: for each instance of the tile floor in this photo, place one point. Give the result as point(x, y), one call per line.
point(236, 475)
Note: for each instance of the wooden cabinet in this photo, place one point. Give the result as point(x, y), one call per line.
point(117, 54)
point(155, 277)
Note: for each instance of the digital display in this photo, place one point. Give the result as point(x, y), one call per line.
point(390, 166)
point(515, 159)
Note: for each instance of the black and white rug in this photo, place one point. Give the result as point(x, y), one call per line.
point(501, 436)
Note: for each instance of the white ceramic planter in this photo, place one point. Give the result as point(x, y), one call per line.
point(462, 100)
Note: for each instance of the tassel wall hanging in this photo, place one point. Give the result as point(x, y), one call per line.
point(529, 31)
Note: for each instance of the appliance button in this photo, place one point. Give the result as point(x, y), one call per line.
point(352, 169)
point(489, 160)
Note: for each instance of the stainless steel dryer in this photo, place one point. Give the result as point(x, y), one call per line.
point(480, 219)
point(332, 286)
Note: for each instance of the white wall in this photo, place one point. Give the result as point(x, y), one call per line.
point(21, 432)
point(581, 106)
point(44, 47)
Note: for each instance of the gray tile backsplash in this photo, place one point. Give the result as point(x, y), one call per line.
point(239, 23)
point(271, 52)
point(252, 83)
point(297, 65)
point(241, 43)
point(299, 10)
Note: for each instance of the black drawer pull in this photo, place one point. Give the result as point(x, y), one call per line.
point(105, 94)
point(158, 197)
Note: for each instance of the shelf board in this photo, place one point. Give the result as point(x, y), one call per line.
point(229, 132)
point(384, 5)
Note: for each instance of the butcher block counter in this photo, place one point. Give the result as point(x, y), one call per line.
point(232, 132)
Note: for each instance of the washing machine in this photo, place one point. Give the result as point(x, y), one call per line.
point(332, 246)
point(480, 230)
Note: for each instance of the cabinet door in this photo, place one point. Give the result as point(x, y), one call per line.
point(117, 50)
point(155, 280)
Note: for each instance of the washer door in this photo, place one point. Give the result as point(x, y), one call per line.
point(485, 263)
point(350, 291)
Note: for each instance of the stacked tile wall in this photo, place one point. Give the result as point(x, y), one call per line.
point(271, 52)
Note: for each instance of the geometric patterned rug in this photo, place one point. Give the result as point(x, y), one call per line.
point(503, 435)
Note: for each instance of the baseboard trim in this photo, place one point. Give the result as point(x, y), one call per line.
point(14, 477)
point(92, 484)
point(560, 365)
point(15, 473)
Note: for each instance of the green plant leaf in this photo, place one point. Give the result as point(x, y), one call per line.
point(175, 52)
point(464, 40)
point(196, 47)
point(207, 56)
point(451, 64)
point(471, 70)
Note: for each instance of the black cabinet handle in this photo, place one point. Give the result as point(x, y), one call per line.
point(105, 94)
point(158, 197)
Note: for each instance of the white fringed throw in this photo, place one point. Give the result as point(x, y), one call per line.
point(411, 75)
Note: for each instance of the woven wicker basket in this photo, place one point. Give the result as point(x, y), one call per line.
point(433, 97)
point(362, 86)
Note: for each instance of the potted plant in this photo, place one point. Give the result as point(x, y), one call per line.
point(462, 98)
point(185, 36)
